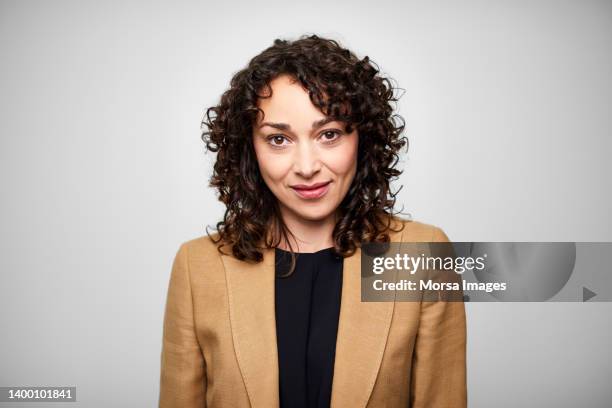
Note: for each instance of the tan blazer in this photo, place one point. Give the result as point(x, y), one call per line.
point(219, 337)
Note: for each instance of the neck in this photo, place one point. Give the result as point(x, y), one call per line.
point(310, 235)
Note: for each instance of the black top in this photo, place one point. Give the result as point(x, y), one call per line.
point(307, 312)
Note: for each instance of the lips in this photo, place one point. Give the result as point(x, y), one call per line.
point(311, 191)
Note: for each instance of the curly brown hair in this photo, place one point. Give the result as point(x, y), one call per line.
point(342, 86)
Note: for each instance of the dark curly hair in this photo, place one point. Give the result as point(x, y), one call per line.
point(342, 86)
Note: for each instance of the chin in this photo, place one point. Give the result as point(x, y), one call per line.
point(314, 214)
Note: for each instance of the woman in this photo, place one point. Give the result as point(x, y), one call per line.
point(267, 312)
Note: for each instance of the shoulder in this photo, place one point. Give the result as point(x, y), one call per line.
point(198, 261)
point(203, 248)
point(416, 231)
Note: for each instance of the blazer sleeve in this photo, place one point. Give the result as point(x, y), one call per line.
point(183, 369)
point(439, 359)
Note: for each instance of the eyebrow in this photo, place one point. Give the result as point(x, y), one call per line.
point(284, 126)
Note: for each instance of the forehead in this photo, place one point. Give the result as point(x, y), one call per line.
point(289, 101)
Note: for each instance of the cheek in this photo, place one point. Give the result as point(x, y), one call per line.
point(343, 160)
point(273, 167)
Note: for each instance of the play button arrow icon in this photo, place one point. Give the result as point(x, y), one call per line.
point(587, 294)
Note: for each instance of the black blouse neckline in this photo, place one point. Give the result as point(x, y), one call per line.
point(324, 250)
point(307, 306)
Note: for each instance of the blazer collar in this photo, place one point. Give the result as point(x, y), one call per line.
point(362, 332)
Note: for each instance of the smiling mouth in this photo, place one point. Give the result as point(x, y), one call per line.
point(316, 191)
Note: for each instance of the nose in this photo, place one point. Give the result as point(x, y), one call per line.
point(307, 162)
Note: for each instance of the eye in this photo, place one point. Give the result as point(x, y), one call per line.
point(330, 136)
point(276, 140)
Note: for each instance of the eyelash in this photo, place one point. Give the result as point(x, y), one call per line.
point(329, 142)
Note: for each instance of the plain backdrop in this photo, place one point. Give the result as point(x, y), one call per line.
point(103, 172)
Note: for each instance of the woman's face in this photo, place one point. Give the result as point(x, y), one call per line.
point(298, 149)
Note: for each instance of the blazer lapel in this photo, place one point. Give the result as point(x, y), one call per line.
point(362, 332)
point(362, 335)
point(250, 289)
